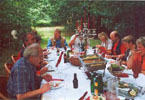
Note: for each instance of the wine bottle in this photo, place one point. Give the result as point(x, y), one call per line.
point(92, 82)
point(100, 82)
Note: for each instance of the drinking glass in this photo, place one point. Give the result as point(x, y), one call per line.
point(112, 87)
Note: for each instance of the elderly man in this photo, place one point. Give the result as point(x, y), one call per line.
point(23, 82)
point(57, 40)
point(118, 48)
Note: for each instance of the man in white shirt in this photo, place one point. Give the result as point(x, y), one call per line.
point(76, 42)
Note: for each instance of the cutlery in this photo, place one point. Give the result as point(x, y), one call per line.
point(57, 80)
point(50, 70)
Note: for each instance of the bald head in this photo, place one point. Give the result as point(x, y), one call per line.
point(114, 35)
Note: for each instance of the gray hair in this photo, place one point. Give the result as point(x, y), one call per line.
point(32, 50)
point(141, 40)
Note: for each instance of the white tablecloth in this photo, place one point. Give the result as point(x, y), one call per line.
point(66, 71)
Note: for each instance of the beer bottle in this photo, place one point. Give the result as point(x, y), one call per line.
point(94, 51)
point(65, 58)
point(65, 48)
point(75, 81)
point(57, 51)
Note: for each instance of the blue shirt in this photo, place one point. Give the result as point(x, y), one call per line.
point(58, 43)
point(22, 78)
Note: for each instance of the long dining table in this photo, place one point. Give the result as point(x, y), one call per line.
point(65, 71)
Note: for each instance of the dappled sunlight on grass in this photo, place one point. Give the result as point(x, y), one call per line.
point(94, 42)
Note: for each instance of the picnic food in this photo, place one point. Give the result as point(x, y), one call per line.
point(74, 61)
point(132, 92)
point(55, 84)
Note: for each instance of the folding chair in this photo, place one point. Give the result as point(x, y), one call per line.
point(8, 67)
point(14, 58)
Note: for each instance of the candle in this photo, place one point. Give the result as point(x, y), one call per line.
point(88, 21)
point(81, 23)
point(85, 16)
point(94, 22)
point(77, 24)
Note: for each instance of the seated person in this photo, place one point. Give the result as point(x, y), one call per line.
point(23, 82)
point(77, 41)
point(118, 48)
point(129, 43)
point(137, 60)
point(57, 40)
point(106, 42)
point(28, 39)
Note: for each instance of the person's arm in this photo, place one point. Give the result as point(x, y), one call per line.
point(143, 72)
point(42, 90)
point(72, 41)
point(130, 60)
point(49, 44)
point(3, 97)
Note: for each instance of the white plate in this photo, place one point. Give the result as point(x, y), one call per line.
point(56, 84)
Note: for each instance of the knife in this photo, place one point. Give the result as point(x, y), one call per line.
point(50, 70)
point(57, 80)
point(82, 98)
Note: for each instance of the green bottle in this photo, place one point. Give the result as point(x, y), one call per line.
point(92, 82)
point(100, 84)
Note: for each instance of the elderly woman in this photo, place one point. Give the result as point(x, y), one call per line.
point(137, 61)
point(106, 42)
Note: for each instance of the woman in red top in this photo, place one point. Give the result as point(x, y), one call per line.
point(141, 47)
point(137, 60)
